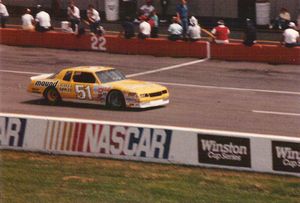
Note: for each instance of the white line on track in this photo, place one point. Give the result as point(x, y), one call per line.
point(167, 68)
point(21, 72)
point(276, 113)
point(229, 88)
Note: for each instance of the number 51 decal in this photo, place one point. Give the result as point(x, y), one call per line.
point(83, 92)
point(98, 43)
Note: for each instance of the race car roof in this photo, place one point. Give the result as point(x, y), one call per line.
point(90, 68)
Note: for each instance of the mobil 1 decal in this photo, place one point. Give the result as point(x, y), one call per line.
point(286, 156)
point(221, 150)
point(12, 131)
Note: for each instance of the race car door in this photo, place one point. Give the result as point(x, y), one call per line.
point(82, 85)
point(65, 86)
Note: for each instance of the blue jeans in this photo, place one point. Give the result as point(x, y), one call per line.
point(184, 24)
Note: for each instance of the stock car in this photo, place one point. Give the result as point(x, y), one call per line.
point(97, 84)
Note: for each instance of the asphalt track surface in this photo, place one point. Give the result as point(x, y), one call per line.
point(218, 95)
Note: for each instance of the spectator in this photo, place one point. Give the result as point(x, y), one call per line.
point(93, 19)
point(164, 6)
point(221, 33)
point(43, 20)
point(175, 30)
point(28, 20)
point(147, 9)
point(182, 15)
point(282, 21)
point(128, 8)
point(194, 30)
point(291, 36)
point(73, 15)
point(3, 14)
point(144, 28)
point(128, 28)
point(154, 25)
point(250, 33)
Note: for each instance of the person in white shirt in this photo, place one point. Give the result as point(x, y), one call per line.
point(291, 36)
point(194, 30)
point(73, 15)
point(147, 8)
point(175, 30)
point(93, 19)
point(144, 28)
point(43, 20)
point(28, 20)
point(3, 14)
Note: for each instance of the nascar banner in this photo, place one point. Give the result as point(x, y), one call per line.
point(239, 151)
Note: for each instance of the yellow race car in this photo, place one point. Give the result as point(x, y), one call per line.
point(100, 85)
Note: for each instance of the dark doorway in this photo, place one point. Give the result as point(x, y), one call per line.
point(246, 9)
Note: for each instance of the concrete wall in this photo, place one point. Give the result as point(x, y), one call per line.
point(214, 8)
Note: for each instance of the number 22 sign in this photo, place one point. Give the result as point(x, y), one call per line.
point(98, 43)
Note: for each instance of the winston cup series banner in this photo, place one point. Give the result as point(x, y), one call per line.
point(231, 150)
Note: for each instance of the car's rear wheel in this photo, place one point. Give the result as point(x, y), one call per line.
point(116, 100)
point(52, 96)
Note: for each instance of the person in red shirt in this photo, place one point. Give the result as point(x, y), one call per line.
point(221, 33)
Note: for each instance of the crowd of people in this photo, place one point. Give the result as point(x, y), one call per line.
point(146, 21)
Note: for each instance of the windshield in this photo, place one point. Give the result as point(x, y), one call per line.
point(110, 76)
point(53, 75)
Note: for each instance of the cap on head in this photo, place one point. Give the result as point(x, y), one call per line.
point(292, 25)
point(193, 20)
point(221, 22)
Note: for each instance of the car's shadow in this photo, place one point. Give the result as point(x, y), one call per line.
point(43, 102)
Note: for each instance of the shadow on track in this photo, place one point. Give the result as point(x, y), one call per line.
point(43, 102)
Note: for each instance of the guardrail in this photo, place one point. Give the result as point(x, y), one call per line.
point(275, 54)
point(150, 143)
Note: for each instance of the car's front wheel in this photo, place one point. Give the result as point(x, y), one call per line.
point(115, 100)
point(52, 96)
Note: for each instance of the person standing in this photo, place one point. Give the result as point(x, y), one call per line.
point(27, 20)
point(3, 14)
point(250, 33)
point(154, 25)
point(73, 15)
point(43, 20)
point(221, 33)
point(93, 19)
point(147, 8)
point(291, 36)
point(282, 20)
point(182, 15)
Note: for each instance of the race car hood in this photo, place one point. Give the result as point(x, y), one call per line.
point(41, 77)
point(136, 86)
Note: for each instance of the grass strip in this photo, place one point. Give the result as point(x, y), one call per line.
point(33, 177)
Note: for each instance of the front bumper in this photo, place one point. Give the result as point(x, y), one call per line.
point(154, 103)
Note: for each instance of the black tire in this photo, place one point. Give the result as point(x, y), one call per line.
point(52, 96)
point(115, 100)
